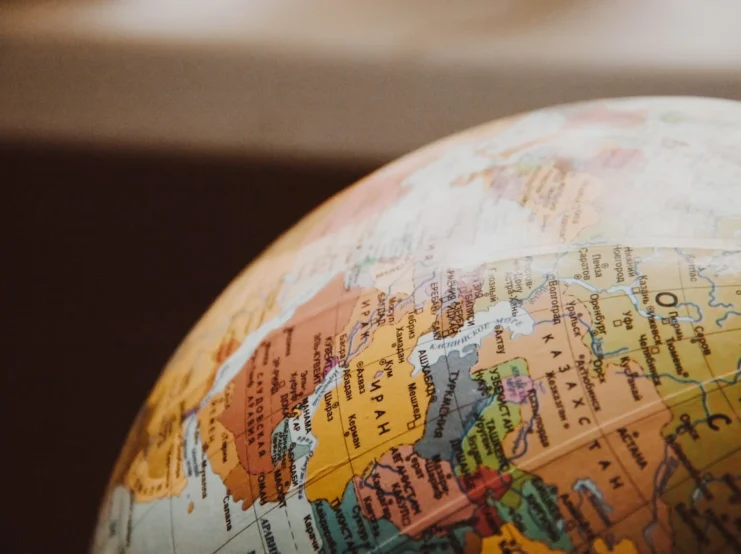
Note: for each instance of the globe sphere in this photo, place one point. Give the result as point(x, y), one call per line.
point(523, 338)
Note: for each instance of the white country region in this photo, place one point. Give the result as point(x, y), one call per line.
point(682, 190)
point(249, 541)
point(289, 526)
point(500, 228)
point(458, 226)
point(481, 152)
point(513, 318)
point(129, 526)
point(474, 223)
point(391, 234)
point(432, 210)
point(431, 202)
point(119, 515)
point(204, 515)
point(456, 162)
point(153, 531)
point(201, 518)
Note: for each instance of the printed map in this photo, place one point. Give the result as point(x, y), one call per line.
point(524, 338)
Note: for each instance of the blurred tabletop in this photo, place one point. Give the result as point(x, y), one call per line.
point(339, 80)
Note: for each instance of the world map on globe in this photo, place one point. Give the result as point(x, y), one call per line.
point(523, 338)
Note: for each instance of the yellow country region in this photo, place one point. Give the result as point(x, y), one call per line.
point(702, 439)
point(662, 268)
point(376, 404)
point(721, 351)
point(151, 464)
point(511, 540)
point(328, 470)
point(625, 546)
point(372, 310)
point(720, 307)
point(711, 281)
point(156, 470)
point(681, 368)
point(219, 442)
point(157, 473)
point(712, 496)
point(731, 387)
point(663, 339)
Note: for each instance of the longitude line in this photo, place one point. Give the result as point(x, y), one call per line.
point(339, 411)
point(692, 324)
point(244, 445)
point(591, 408)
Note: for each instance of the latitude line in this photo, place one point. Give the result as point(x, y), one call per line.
point(141, 517)
point(230, 539)
point(342, 426)
point(251, 369)
point(337, 389)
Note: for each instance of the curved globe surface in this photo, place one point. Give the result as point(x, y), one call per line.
point(524, 338)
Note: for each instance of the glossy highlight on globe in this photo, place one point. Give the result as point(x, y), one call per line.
point(523, 338)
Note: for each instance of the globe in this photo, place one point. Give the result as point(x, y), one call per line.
point(523, 338)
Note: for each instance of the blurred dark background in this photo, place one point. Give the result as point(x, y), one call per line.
point(110, 257)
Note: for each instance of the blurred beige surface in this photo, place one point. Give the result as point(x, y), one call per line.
point(333, 79)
